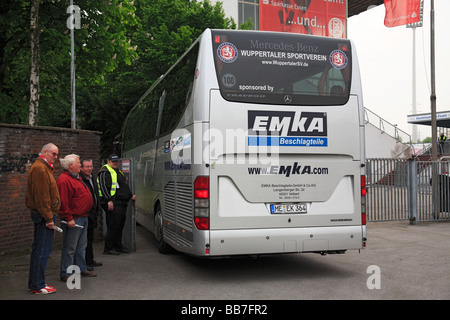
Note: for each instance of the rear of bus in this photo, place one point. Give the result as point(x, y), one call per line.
point(286, 145)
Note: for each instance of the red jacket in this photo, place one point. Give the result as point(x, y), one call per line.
point(76, 199)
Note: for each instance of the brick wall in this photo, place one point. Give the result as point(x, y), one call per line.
point(19, 147)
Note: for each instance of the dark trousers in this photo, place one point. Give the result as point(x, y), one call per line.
point(40, 252)
point(90, 241)
point(115, 221)
point(441, 148)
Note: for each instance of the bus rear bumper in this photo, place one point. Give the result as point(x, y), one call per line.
point(286, 240)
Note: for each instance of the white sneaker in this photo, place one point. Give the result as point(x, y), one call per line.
point(46, 290)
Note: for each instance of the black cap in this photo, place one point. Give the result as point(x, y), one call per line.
point(113, 157)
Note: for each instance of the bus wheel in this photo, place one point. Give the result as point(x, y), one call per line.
point(162, 246)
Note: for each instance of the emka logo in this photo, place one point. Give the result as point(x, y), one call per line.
point(287, 128)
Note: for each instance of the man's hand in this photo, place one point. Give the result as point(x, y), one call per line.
point(50, 225)
point(71, 223)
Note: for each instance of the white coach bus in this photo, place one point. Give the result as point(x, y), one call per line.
point(252, 143)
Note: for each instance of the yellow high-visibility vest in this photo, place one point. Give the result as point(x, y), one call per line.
point(113, 181)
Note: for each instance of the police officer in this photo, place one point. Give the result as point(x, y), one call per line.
point(114, 195)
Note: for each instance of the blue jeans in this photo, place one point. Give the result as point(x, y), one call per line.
point(74, 246)
point(40, 252)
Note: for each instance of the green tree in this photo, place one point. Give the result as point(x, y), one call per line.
point(100, 45)
point(165, 30)
point(14, 67)
point(122, 47)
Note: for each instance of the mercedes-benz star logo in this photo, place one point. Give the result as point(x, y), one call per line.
point(287, 99)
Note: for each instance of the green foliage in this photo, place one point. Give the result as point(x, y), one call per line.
point(165, 30)
point(122, 47)
point(98, 48)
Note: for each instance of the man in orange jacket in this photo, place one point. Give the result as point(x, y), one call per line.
point(43, 200)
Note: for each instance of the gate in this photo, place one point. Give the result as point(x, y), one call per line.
point(400, 189)
point(129, 229)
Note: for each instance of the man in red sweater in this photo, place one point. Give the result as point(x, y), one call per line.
point(76, 201)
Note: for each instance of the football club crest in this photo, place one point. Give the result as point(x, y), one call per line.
point(338, 59)
point(227, 52)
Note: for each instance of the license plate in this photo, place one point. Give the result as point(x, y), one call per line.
point(288, 208)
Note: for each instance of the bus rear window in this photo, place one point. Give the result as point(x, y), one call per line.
point(282, 68)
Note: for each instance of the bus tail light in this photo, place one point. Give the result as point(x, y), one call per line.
point(201, 202)
point(363, 200)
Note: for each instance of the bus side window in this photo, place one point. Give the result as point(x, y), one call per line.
point(162, 98)
point(178, 86)
point(141, 125)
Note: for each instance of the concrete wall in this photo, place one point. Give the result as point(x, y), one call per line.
point(382, 145)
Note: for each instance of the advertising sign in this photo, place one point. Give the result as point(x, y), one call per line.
point(401, 12)
point(316, 17)
point(283, 69)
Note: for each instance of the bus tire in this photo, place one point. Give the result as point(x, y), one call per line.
point(162, 246)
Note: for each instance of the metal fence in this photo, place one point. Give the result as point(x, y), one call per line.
point(400, 189)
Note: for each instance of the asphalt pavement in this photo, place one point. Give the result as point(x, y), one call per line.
point(401, 262)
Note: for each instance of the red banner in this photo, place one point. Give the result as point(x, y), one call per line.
point(401, 12)
point(317, 17)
